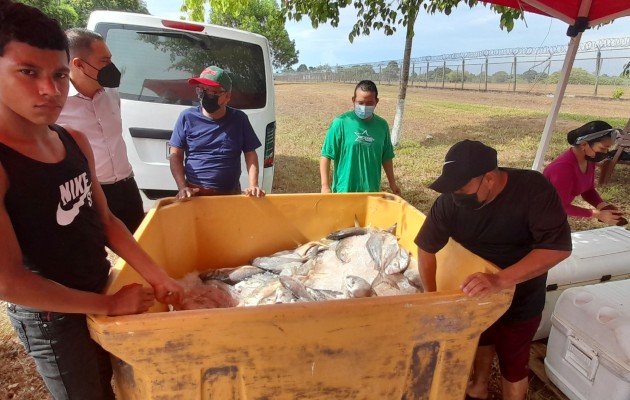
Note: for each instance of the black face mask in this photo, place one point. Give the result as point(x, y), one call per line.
point(108, 76)
point(598, 157)
point(468, 200)
point(210, 103)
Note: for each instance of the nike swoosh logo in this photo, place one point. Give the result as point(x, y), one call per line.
point(65, 217)
point(448, 162)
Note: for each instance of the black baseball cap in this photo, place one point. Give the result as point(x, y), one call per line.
point(463, 161)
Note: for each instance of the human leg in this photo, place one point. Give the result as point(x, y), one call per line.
point(513, 346)
point(482, 366)
point(72, 365)
point(515, 390)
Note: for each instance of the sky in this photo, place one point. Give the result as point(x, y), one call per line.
point(463, 31)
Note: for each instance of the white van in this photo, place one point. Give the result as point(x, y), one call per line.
point(156, 57)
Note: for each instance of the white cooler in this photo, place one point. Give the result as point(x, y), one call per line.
point(588, 351)
point(599, 255)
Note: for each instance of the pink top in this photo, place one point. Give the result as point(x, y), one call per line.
point(99, 119)
point(564, 173)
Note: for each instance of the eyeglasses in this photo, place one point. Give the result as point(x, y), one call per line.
point(596, 135)
point(209, 92)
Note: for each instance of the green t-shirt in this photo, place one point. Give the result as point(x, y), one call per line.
point(358, 149)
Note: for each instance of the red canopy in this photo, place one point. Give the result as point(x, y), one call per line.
point(600, 11)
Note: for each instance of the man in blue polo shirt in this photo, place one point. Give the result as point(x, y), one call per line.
point(208, 140)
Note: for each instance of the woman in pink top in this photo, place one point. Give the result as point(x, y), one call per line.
point(573, 172)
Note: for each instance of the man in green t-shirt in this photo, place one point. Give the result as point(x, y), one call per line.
point(358, 142)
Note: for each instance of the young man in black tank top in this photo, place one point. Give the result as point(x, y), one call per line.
point(54, 220)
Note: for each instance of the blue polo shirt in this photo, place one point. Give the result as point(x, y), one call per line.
point(213, 147)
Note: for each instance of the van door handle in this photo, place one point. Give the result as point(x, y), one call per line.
point(148, 133)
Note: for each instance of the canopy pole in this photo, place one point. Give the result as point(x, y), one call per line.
point(574, 43)
point(575, 32)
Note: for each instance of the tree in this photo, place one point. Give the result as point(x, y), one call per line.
point(196, 9)
point(579, 76)
point(63, 12)
point(532, 76)
point(437, 73)
point(386, 16)
point(258, 16)
point(500, 77)
point(75, 13)
point(391, 72)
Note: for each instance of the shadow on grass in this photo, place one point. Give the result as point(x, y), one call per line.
point(294, 174)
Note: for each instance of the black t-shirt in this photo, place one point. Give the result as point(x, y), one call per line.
point(526, 215)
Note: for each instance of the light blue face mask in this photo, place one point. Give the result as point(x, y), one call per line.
point(363, 112)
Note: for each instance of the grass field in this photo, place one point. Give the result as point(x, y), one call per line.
point(434, 120)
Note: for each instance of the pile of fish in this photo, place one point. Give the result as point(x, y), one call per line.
point(350, 263)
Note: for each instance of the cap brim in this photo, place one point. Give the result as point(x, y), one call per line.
point(203, 81)
point(444, 184)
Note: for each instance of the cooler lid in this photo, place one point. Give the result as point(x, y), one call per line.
point(597, 253)
point(600, 316)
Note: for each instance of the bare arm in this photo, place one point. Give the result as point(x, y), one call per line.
point(324, 172)
point(535, 263)
point(120, 240)
point(388, 166)
point(251, 163)
point(176, 162)
point(427, 265)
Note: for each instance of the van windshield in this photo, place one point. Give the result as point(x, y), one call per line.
point(156, 64)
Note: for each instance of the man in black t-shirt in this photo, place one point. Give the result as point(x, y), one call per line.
point(514, 219)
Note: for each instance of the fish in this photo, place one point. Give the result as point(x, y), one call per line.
point(284, 296)
point(395, 284)
point(347, 232)
point(344, 248)
point(362, 262)
point(356, 287)
point(374, 246)
point(310, 249)
point(399, 263)
point(322, 295)
point(315, 250)
point(382, 247)
point(277, 263)
point(263, 293)
point(390, 251)
point(405, 286)
point(211, 294)
point(413, 275)
point(249, 286)
point(326, 272)
point(231, 276)
point(297, 288)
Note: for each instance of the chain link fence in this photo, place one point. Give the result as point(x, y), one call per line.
point(601, 68)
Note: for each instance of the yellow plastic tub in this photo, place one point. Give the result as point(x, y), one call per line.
point(418, 346)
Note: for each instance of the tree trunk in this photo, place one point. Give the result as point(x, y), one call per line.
point(400, 107)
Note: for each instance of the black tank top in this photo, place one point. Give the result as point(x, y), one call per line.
point(54, 219)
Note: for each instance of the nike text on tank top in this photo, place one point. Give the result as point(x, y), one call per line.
point(53, 216)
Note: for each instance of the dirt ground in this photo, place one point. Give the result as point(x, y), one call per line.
point(18, 377)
